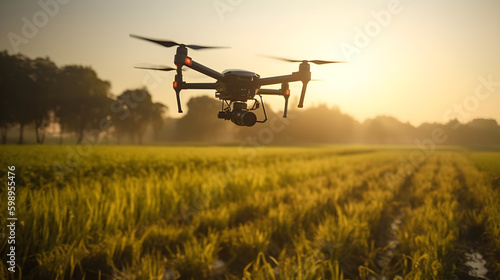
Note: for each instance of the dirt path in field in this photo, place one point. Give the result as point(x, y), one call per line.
point(478, 255)
point(474, 247)
point(385, 233)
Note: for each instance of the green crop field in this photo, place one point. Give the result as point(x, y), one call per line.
point(340, 212)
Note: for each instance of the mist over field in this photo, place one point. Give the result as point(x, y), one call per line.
point(71, 104)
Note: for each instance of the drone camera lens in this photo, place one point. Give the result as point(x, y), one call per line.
point(244, 118)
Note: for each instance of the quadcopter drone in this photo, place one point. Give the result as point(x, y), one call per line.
point(235, 87)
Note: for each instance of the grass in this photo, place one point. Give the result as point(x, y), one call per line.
point(123, 212)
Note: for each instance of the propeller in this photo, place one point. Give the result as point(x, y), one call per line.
point(169, 44)
point(155, 67)
point(306, 67)
point(316, 61)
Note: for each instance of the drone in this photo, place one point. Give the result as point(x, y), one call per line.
point(235, 88)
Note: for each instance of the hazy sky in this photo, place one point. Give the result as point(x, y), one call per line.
point(420, 61)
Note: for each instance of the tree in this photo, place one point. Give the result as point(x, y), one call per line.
point(83, 100)
point(158, 118)
point(7, 97)
point(139, 112)
point(387, 130)
point(320, 124)
point(19, 85)
point(45, 76)
point(201, 122)
point(27, 88)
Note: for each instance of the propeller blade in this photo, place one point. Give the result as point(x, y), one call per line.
point(155, 67)
point(197, 47)
point(281, 58)
point(318, 62)
point(169, 44)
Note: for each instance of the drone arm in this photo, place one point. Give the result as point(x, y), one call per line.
point(279, 79)
point(284, 91)
point(203, 69)
point(183, 85)
point(303, 76)
point(198, 86)
point(265, 91)
point(179, 84)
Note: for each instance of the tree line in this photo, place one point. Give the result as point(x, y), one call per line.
point(38, 93)
point(324, 124)
point(35, 93)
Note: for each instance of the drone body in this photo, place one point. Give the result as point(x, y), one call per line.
point(235, 87)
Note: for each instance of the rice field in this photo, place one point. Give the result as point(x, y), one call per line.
point(334, 212)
